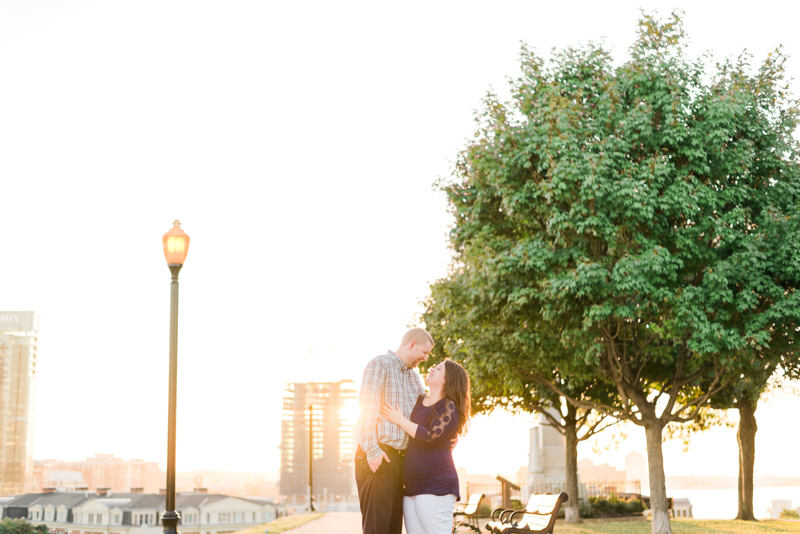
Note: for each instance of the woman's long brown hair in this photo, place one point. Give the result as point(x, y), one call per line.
point(456, 388)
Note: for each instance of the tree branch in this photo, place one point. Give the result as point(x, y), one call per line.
point(675, 387)
point(594, 431)
point(587, 405)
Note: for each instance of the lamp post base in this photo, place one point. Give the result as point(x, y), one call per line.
point(170, 522)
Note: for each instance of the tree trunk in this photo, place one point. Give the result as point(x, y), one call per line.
point(571, 510)
point(746, 436)
point(658, 482)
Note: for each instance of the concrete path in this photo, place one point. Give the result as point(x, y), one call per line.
point(333, 523)
point(343, 523)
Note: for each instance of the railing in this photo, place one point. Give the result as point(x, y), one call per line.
point(617, 488)
point(593, 488)
point(507, 487)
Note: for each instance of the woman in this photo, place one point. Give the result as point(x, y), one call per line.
point(429, 474)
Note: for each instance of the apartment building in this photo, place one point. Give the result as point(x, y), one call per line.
point(320, 415)
point(19, 333)
point(137, 513)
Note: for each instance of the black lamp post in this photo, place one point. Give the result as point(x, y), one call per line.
point(176, 247)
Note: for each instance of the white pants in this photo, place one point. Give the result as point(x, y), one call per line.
point(429, 514)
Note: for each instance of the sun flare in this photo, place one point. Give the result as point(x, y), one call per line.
point(349, 413)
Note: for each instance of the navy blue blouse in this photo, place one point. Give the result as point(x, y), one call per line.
point(428, 467)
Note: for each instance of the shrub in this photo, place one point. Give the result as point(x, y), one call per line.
point(611, 506)
point(634, 506)
point(585, 509)
point(608, 506)
point(788, 513)
point(16, 526)
point(616, 505)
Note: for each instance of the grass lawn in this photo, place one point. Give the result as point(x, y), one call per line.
point(281, 525)
point(682, 527)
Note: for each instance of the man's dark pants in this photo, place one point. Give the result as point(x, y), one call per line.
point(380, 493)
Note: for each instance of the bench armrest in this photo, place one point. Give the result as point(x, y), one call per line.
point(506, 514)
point(497, 513)
point(515, 513)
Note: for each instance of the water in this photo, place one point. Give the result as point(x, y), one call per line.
point(721, 503)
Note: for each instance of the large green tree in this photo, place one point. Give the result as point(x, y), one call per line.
point(644, 216)
point(764, 369)
point(741, 395)
point(744, 395)
point(762, 373)
point(766, 374)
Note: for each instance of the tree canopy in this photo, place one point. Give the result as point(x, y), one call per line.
point(634, 226)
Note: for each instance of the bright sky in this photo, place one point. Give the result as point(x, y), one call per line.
point(297, 142)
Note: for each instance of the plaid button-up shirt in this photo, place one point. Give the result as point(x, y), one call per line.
point(386, 380)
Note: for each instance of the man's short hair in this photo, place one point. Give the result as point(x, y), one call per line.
point(420, 335)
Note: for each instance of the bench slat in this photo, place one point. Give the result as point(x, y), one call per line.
point(539, 521)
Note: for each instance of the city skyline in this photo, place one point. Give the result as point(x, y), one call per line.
point(717, 444)
point(515, 454)
point(298, 148)
point(100, 471)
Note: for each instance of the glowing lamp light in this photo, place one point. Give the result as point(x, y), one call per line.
point(176, 245)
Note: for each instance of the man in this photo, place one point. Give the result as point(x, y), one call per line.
point(389, 379)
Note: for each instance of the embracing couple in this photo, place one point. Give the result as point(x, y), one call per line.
point(405, 437)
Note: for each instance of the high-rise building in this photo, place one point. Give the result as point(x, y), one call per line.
point(331, 408)
point(19, 333)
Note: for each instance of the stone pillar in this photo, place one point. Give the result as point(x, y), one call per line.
point(547, 457)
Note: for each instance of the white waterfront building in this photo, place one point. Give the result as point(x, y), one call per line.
point(777, 506)
point(681, 507)
point(138, 513)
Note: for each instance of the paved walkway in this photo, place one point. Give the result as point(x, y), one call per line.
point(341, 523)
point(333, 523)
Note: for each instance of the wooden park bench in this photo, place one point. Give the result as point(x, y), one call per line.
point(539, 517)
point(468, 511)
